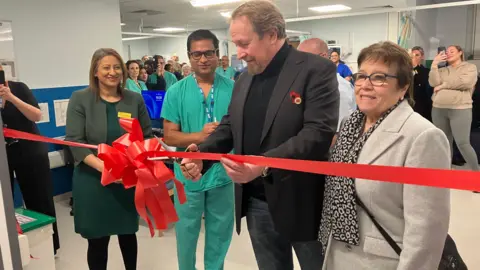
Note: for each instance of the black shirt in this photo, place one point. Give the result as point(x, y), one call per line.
point(160, 85)
point(14, 119)
point(422, 92)
point(254, 113)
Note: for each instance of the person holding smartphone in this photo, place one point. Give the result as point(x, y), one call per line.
point(452, 100)
point(27, 160)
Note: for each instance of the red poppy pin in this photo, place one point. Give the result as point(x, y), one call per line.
point(295, 97)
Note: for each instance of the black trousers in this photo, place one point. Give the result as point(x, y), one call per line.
point(34, 178)
point(97, 254)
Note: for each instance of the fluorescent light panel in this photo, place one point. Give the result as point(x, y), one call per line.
point(331, 8)
point(123, 24)
point(227, 14)
point(169, 29)
point(204, 3)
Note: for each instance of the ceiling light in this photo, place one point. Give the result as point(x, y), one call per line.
point(226, 14)
point(6, 32)
point(6, 39)
point(123, 24)
point(169, 29)
point(331, 8)
point(204, 3)
point(137, 38)
point(297, 32)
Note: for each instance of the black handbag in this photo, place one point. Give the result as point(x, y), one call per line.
point(451, 259)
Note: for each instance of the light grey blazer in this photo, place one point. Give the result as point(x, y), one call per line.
point(416, 217)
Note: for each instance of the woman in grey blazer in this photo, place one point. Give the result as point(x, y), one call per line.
point(385, 131)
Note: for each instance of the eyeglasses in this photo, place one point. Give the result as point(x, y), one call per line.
point(208, 54)
point(376, 79)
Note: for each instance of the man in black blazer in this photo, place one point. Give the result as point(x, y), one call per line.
point(286, 106)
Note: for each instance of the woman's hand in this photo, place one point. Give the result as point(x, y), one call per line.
point(6, 93)
point(441, 57)
point(439, 87)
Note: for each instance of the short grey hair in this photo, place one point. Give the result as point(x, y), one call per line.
point(264, 16)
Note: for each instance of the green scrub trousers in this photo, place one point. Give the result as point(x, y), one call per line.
point(211, 196)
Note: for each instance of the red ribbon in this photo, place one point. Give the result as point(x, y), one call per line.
point(128, 160)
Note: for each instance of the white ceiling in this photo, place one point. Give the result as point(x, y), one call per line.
point(180, 13)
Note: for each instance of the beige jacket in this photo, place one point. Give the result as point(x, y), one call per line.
point(457, 85)
point(416, 217)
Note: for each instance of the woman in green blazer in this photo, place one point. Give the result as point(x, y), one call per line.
point(92, 117)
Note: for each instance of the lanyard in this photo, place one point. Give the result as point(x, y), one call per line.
point(209, 105)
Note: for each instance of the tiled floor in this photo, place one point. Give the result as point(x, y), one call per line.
point(160, 253)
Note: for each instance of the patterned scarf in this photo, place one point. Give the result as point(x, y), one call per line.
point(339, 215)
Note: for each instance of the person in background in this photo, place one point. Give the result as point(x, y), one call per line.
point(452, 100)
point(143, 75)
point(190, 117)
point(93, 117)
point(342, 69)
point(347, 95)
point(225, 69)
point(422, 92)
point(161, 79)
point(385, 131)
point(145, 58)
point(133, 83)
point(186, 70)
point(169, 68)
point(149, 64)
point(276, 111)
point(28, 160)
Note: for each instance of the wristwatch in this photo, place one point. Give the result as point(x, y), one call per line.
point(265, 172)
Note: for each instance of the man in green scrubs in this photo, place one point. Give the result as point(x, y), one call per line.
point(192, 110)
point(225, 69)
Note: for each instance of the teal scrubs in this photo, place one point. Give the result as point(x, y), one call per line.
point(211, 196)
point(170, 79)
point(227, 73)
point(133, 86)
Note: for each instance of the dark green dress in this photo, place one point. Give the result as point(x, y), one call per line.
point(103, 211)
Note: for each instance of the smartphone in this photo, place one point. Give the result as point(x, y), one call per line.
point(444, 50)
point(2, 77)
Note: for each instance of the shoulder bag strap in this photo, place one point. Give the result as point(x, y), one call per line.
point(384, 233)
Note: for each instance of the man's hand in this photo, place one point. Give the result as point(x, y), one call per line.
point(192, 168)
point(209, 128)
point(241, 173)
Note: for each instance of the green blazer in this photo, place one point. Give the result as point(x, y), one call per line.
point(87, 119)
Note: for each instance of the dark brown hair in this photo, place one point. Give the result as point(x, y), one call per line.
point(391, 54)
point(264, 17)
point(96, 58)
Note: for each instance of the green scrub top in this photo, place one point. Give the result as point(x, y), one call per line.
point(184, 106)
point(229, 73)
point(170, 79)
point(132, 86)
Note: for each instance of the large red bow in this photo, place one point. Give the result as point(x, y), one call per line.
point(128, 161)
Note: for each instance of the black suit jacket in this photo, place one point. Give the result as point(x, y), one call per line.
point(296, 131)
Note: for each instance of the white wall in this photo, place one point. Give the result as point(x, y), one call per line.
point(6, 50)
point(54, 39)
point(138, 48)
point(360, 31)
point(452, 26)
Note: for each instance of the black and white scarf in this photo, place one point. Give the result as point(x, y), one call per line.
point(339, 214)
